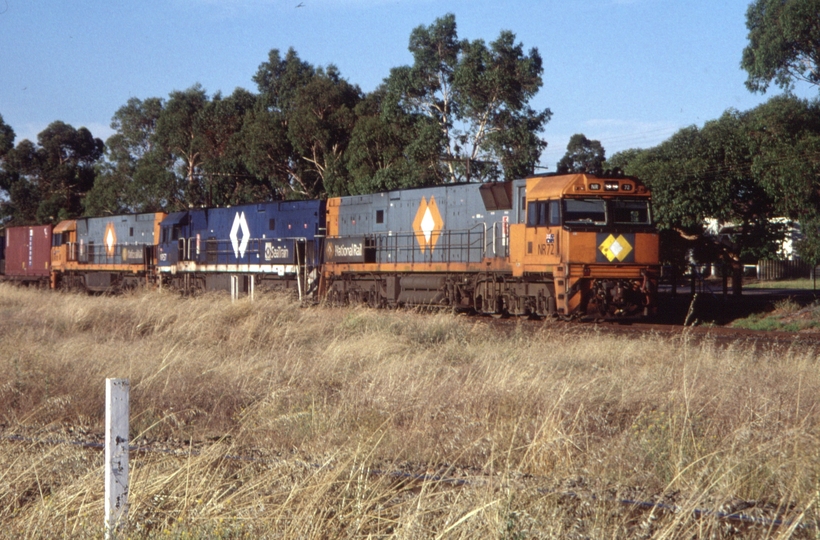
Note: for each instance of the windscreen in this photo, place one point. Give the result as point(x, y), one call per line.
point(585, 211)
point(630, 212)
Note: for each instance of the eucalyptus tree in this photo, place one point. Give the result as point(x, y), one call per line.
point(583, 155)
point(225, 177)
point(389, 149)
point(137, 174)
point(477, 95)
point(46, 182)
point(179, 134)
point(6, 137)
point(297, 134)
point(784, 43)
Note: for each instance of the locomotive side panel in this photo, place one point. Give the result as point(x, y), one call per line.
point(433, 246)
point(446, 225)
point(105, 253)
point(117, 241)
point(570, 245)
point(274, 244)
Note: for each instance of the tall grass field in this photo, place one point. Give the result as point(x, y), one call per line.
point(271, 420)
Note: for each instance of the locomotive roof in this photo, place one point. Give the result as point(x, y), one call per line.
point(65, 225)
point(583, 184)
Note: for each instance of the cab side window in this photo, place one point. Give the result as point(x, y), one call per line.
point(555, 213)
point(543, 213)
point(532, 214)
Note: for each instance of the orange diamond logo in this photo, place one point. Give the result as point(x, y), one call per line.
point(428, 224)
point(110, 239)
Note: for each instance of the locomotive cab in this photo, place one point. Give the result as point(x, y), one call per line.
point(594, 239)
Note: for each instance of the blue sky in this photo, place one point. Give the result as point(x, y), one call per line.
point(626, 72)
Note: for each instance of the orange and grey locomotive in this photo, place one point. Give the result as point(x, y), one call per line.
point(101, 254)
point(573, 245)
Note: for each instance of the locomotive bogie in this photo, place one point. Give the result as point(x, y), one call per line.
point(100, 282)
point(486, 293)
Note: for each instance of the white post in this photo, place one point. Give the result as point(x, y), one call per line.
point(234, 288)
point(251, 285)
point(117, 393)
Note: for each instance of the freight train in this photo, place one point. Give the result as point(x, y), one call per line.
point(571, 245)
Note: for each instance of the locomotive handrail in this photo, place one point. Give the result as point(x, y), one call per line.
point(402, 247)
point(99, 253)
point(221, 250)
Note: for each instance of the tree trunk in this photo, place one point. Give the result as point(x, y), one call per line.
point(737, 278)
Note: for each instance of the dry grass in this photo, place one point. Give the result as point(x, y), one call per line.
point(328, 423)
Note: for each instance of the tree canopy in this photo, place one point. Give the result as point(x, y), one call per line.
point(583, 155)
point(747, 170)
point(477, 96)
point(137, 174)
point(784, 43)
point(297, 136)
point(46, 182)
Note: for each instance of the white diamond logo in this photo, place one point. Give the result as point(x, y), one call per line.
point(109, 240)
point(616, 248)
point(240, 244)
point(428, 224)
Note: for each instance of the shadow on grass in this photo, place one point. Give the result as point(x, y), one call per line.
point(722, 310)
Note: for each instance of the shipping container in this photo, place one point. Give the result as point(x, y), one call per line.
point(28, 253)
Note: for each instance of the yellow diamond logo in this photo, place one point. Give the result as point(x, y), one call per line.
point(615, 248)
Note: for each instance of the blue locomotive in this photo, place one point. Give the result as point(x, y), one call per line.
point(271, 245)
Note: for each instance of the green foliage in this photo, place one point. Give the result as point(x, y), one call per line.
point(583, 155)
point(784, 43)
point(787, 316)
point(702, 174)
point(6, 137)
point(477, 96)
point(297, 136)
point(785, 142)
point(46, 182)
point(225, 177)
point(179, 132)
point(137, 175)
point(390, 151)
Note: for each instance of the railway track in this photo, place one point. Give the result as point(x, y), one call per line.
point(673, 311)
point(721, 335)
